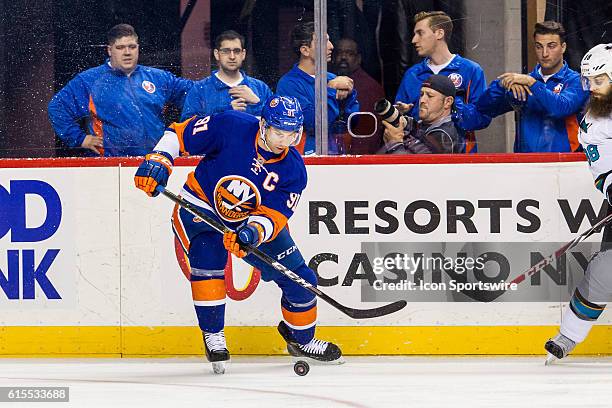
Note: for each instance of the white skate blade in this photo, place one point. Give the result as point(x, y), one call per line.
point(550, 359)
point(219, 367)
point(312, 361)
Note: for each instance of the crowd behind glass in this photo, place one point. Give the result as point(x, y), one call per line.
point(116, 109)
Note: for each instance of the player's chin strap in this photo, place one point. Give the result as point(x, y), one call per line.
point(262, 134)
point(298, 136)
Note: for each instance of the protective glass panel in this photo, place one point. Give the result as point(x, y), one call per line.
point(45, 45)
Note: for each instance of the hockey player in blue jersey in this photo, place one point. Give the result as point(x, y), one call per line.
point(250, 178)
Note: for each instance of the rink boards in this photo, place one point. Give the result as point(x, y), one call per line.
point(88, 263)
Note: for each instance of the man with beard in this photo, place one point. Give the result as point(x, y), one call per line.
point(347, 61)
point(595, 289)
point(228, 88)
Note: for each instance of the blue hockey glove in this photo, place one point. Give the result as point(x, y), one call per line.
point(246, 234)
point(249, 234)
point(153, 171)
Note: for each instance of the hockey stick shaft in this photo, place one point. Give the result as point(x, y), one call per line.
point(563, 250)
point(221, 228)
point(490, 296)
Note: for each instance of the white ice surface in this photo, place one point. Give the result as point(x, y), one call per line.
point(361, 382)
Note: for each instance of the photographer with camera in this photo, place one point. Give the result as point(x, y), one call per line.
point(435, 132)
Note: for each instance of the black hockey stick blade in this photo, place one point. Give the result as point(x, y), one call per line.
point(371, 313)
point(221, 228)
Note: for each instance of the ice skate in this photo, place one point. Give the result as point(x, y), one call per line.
point(558, 347)
point(314, 351)
point(216, 351)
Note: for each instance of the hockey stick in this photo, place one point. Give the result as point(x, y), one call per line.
point(219, 227)
point(489, 296)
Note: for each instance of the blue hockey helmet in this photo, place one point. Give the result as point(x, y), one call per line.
point(284, 113)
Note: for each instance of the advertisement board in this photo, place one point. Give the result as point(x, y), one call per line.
point(85, 255)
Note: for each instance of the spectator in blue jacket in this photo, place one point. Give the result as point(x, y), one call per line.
point(548, 100)
point(229, 87)
point(432, 32)
point(121, 101)
point(299, 82)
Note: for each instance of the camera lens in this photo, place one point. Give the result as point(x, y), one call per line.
point(387, 112)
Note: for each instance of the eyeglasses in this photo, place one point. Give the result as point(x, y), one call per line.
point(228, 51)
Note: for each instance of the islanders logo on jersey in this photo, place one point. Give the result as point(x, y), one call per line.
point(148, 86)
point(557, 89)
point(235, 198)
point(456, 78)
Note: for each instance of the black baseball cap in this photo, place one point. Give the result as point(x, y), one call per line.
point(442, 84)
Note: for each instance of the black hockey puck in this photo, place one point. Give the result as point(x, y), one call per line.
point(301, 368)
